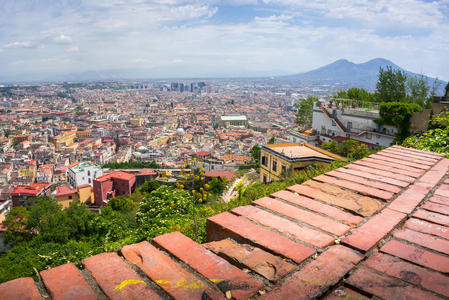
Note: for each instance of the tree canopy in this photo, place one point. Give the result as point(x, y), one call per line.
point(350, 149)
point(391, 85)
point(305, 112)
point(356, 94)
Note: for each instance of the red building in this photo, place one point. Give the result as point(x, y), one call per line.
point(118, 183)
point(22, 193)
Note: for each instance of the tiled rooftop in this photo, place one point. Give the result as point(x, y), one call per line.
point(376, 228)
point(302, 151)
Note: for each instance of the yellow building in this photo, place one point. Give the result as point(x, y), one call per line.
point(86, 193)
point(83, 134)
point(137, 121)
point(280, 160)
point(65, 139)
point(65, 194)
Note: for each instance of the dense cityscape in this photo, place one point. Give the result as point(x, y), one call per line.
point(246, 150)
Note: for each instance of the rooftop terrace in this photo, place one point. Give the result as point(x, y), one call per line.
point(376, 228)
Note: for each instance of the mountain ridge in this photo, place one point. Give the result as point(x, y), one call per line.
point(350, 74)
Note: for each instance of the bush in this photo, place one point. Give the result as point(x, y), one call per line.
point(123, 204)
point(350, 149)
point(398, 114)
point(149, 186)
point(162, 209)
point(436, 139)
point(131, 165)
point(217, 186)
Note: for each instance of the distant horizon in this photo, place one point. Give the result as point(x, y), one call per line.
point(218, 38)
point(262, 75)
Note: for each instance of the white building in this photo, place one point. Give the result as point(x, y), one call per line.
point(307, 136)
point(83, 173)
point(341, 123)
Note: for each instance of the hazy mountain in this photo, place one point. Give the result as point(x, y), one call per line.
point(340, 74)
point(350, 74)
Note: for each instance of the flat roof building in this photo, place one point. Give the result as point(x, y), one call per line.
point(280, 160)
point(233, 120)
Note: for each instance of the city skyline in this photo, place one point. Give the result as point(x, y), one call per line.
point(219, 38)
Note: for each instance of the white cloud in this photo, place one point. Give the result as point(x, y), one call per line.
point(291, 35)
point(73, 49)
point(62, 38)
point(15, 45)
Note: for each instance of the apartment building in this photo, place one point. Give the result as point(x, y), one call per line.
point(332, 122)
point(83, 173)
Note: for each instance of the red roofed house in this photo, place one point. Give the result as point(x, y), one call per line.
point(118, 183)
point(22, 193)
point(64, 194)
point(229, 175)
point(202, 154)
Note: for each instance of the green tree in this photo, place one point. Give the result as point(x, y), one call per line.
point(15, 222)
point(131, 165)
point(305, 111)
point(194, 181)
point(150, 186)
point(255, 153)
point(331, 147)
point(418, 90)
point(355, 94)
point(447, 90)
point(360, 94)
point(391, 85)
point(47, 220)
point(398, 114)
point(122, 203)
point(217, 186)
point(78, 219)
point(271, 140)
point(350, 149)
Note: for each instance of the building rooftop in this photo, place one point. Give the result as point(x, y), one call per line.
point(146, 171)
point(81, 166)
point(227, 174)
point(202, 153)
point(64, 190)
point(375, 228)
point(297, 151)
point(116, 174)
point(233, 118)
point(32, 189)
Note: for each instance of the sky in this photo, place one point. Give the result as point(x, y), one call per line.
point(177, 38)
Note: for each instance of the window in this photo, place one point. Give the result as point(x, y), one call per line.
point(284, 170)
point(275, 165)
point(264, 178)
point(264, 161)
point(88, 173)
point(70, 197)
point(333, 123)
point(349, 125)
point(369, 136)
